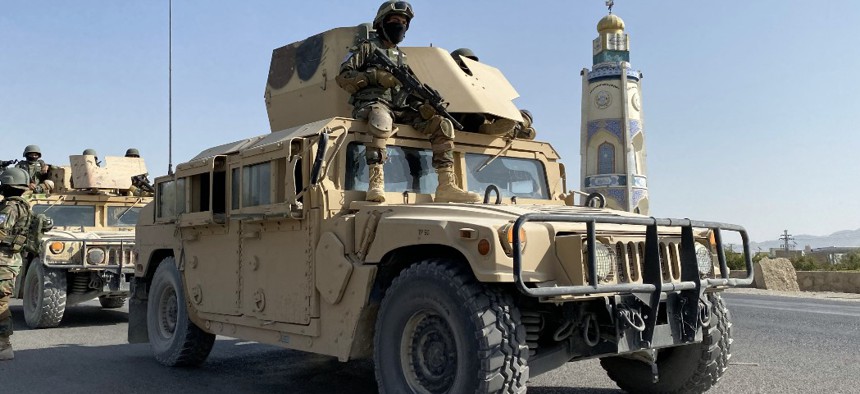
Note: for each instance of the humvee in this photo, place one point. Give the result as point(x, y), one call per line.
point(269, 239)
point(89, 253)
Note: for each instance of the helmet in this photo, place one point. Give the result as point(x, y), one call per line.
point(15, 177)
point(32, 149)
point(132, 152)
point(393, 7)
point(90, 151)
point(464, 52)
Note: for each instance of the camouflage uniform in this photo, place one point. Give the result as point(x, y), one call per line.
point(34, 171)
point(14, 225)
point(376, 96)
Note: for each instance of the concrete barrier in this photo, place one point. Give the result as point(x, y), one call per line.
point(775, 274)
point(841, 281)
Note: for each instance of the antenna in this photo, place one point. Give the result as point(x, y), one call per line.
point(170, 87)
point(609, 4)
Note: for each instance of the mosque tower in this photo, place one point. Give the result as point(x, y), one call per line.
point(613, 140)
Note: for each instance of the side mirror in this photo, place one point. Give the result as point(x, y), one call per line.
point(322, 146)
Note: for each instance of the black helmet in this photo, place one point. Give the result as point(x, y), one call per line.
point(90, 151)
point(393, 8)
point(32, 149)
point(464, 52)
point(132, 152)
point(15, 177)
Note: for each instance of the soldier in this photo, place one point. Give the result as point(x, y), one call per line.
point(373, 91)
point(36, 170)
point(132, 152)
point(94, 154)
point(15, 219)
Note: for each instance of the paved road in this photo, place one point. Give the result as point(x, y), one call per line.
point(782, 345)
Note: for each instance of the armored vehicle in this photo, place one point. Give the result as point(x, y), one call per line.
point(89, 253)
point(269, 239)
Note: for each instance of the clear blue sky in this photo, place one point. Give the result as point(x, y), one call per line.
point(749, 106)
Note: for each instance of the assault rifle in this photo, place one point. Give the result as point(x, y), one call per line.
point(7, 163)
point(411, 85)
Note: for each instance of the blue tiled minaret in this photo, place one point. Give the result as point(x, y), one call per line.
point(613, 140)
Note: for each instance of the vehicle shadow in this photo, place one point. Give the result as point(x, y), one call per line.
point(233, 366)
point(83, 315)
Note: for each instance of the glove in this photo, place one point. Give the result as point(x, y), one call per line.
point(385, 79)
point(426, 111)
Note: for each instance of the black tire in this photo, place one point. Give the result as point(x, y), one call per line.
point(175, 341)
point(693, 368)
point(44, 296)
point(111, 302)
point(440, 331)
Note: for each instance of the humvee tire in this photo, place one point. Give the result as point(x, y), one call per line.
point(432, 309)
point(44, 296)
point(175, 341)
point(111, 302)
point(690, 368)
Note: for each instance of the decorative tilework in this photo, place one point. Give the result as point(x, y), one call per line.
point(613, 126)
point(604, 70)
point(638, 195)
point(640, 181)
point(619, 195)
point(606, 180)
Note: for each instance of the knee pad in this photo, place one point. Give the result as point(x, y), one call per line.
point(380, 122)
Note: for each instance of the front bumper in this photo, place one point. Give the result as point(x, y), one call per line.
point(690, 289)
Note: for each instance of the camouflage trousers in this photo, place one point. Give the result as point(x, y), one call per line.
point(441, 135)
point(7, 282)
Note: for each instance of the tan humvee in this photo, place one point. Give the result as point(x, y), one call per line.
point(269, 239)
point(89, 253)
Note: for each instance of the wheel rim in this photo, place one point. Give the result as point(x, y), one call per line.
point(168, 308)
point(428, 354)
point(34, 292)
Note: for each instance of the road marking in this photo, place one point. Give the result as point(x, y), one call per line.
point(746, 303)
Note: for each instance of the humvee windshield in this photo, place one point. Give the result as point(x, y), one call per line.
point(122, 216)
point(410, 169)
point(67, 215)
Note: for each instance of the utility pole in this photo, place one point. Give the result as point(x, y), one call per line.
point(787, 240)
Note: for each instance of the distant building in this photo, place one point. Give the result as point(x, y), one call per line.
point(831, 254)
point(788, 254)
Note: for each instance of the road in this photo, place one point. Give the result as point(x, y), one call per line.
point(782, 345)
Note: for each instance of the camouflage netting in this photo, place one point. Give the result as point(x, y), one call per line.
point(776, 274)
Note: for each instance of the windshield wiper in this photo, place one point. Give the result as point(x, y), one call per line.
point(59, 200)
point(128, 209)
point(491, 159)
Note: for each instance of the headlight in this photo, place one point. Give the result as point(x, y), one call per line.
point(704, 259)
point(95, 256)
point(606, 261)
point(56, 247)
point(506, 237)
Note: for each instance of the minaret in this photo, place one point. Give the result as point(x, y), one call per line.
point(613, 141)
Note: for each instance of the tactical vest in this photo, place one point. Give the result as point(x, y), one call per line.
point(33, 168)
point(16, 237)
point(377, 93)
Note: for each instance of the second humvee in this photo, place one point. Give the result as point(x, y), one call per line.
point(269, 239)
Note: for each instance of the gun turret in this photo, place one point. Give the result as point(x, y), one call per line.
point(7, 163)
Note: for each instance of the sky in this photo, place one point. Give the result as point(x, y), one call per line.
point(748, 106)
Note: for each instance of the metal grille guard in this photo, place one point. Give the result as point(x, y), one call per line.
point(652, 274)
point(124, 246)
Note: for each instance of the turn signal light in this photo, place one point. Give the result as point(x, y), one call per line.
point(56, 247)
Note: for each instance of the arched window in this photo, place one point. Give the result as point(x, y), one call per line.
point(606, 158)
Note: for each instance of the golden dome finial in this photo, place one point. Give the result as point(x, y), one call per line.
point(610, 24)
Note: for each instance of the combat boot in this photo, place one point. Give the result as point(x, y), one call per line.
point(448, 191)
point(6, 352)
point(376, 188)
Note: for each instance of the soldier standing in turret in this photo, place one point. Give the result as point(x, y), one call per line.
point(15, 216)
point(373, 90)
point(36, 169)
